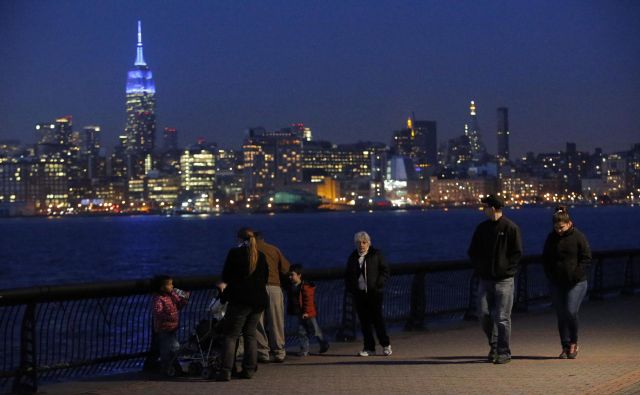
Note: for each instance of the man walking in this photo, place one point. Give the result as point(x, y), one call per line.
point(495, 251)
point(270, 334)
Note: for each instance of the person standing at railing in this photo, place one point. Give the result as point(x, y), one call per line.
point(270, 334)
point(365, 277)
point(244, 278)
point(495, 252)
point(566, 258)
point(166, 303)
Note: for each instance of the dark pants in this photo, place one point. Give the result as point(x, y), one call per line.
point(240, 320)
point(369, 308)
point(168, 347)
point(306, 329)
point(495, 300)
point(567, 303)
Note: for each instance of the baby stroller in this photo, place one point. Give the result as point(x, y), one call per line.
point(202, 353)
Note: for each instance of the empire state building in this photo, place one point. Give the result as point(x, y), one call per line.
point(141, 106)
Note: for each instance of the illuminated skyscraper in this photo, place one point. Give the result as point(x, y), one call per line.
point(141, 107)
point(503, 134)
point(472, 130)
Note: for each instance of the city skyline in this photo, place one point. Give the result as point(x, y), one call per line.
point(284, 97)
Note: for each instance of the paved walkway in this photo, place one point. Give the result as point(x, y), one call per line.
point(441, 361)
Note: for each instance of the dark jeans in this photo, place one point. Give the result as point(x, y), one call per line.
point(306, 329)
point(495, 300)
point(240, 320)
point(168, 347)
point(369, 308)
point(567, 303)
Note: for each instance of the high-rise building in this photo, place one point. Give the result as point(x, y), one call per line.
point(54, 138)
point(91, 140)
point(472, 131)
point(141, 107)
point(425, 147)
point(197, 178)
point(503, 134)
point(170, 139)
point(272, 160)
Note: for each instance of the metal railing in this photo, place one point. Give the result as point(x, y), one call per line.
point(57, 332)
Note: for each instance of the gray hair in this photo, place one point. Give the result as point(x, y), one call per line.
point(362, 235)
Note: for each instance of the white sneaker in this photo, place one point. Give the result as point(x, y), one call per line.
point(387, 350)
point(366, 353)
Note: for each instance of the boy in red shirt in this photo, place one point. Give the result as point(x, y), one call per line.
point(301, 303)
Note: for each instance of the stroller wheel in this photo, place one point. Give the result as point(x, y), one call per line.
point(206, 373)
point(171, 371)
point(195, 368)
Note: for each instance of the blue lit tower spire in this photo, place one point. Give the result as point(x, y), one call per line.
point(139, 56)
point(141, 119)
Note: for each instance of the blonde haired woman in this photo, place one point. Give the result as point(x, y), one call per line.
point(244, 280)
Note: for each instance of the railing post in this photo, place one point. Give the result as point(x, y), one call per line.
point(596, 290)
point(522, 293)
point(347, 331)
point(629, 278)
point(472, 310)
point(26, 380)
point(418, 303)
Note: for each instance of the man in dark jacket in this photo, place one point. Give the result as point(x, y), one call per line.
point(495, 252)
point(367, 271)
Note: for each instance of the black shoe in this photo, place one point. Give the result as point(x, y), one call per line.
point(502, 359)
point(223, 376)
point(565, 353)
point(263, 359)
point(324, 348)
point(246, 374)
point(573, 351)
point(492, 356)
point(278, 359)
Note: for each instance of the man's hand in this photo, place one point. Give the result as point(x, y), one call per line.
point(305, 316)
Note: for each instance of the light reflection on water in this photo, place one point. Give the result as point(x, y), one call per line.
point(37, 251)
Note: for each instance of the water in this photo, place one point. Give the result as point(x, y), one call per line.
point(45, 251)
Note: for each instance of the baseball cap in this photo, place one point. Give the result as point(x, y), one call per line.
point(493, 201)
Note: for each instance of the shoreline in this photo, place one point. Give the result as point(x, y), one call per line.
point(352, 209)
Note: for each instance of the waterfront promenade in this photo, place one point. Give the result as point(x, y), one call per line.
point(448, 360)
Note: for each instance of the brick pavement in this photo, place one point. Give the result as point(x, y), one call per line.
point(440, 361)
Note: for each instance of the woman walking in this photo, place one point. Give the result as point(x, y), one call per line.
point(244, 280)
point(566, 259)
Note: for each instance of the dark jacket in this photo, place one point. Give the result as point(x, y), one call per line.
point(566, 257)
point(301, 300)
point(376, 273)
point(496, 248)
point(242, 287)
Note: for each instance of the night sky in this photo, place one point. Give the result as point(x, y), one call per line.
point(351, 70)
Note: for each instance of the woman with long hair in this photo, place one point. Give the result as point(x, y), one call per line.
point(566, 259)
point(244, 280)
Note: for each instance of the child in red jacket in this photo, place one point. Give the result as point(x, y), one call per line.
point(166, 302)
point(301, 303)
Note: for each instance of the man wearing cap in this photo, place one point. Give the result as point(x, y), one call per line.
point(495, 250)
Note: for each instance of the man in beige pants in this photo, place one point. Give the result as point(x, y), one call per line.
point(270, 333)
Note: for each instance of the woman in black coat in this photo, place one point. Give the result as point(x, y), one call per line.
point(566, 259)
point(244, 280)
point(365, 277)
